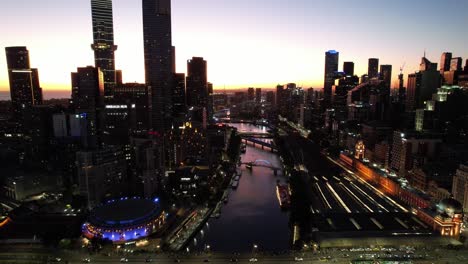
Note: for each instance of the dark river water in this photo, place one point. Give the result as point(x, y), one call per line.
point(252, 215)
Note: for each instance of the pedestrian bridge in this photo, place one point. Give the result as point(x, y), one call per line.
point(262, 163)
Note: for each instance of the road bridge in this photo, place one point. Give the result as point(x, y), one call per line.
point(250, 134)
point(257, 142)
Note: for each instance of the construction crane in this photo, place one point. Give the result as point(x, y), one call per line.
point(402, 67)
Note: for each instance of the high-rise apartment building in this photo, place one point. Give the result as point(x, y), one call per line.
point(25, 90)
point(373, 68)
point(331, 67)
point(157, 36)
point(103, 45)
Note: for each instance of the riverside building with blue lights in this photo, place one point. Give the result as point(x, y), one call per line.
point(125, 219)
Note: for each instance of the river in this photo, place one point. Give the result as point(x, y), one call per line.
point(252, 215)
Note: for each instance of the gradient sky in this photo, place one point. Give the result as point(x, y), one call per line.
point(246, 42)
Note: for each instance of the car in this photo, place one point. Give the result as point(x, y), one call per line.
point(298, 259)
point(124, 260)
point(177, 260)
point(86, 260)
point(206, 260)
point(234, 260)
point(148, 259)
point(253, 260)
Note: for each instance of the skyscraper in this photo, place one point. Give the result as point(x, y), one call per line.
point(373, 70)
point(25, 90)
point(197, 83)
point(103, 45)
point(456, 64)
point(445, 62)
point(386, 74)
point(178, 96)
point(157, 36)
point(421, 85)
point(348, 68)
point(331, 67)
point(87, 100)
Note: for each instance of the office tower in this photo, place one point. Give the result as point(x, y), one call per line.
point(445, 61)
point(197, 84)
point(386, 74)
point(348, 68)
point(87, 101)
point(119, 122)
point(331, 67)
point(373, 69)
point(178, 97)
point(466, 66)
point(101, 174)
point(25, 90)
point(456, 64)
point(103, 45)
point(138, 94)
point(258, 95)
point(157, 36)
point(87, 88)
point(421, 85)
point(339, 98)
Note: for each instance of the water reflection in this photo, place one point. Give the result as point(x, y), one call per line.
point(252, 214)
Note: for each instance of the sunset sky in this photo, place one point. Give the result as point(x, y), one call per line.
point(256, 43)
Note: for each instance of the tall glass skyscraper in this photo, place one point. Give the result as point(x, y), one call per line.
point(103, 46)
point(331, 67)
point(157, 36)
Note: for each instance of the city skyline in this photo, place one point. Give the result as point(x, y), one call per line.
point(280, 49)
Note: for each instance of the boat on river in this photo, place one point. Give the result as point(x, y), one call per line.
point(235, 184)
point(284, 197)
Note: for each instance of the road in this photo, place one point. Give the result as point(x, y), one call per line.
point(328, 255)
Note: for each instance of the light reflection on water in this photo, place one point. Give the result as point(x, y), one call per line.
point(252, 214)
